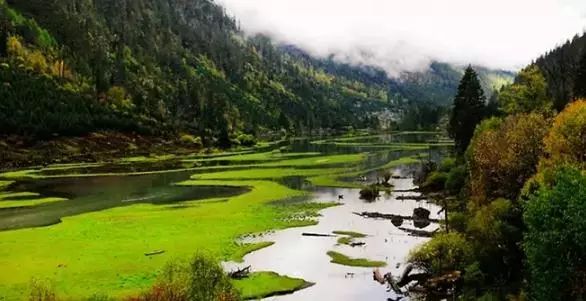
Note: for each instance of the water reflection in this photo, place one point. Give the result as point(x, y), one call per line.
point(86, 194)
point(305, 257)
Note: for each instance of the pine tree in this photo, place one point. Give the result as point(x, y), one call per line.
point(468, 110)
point(580, 80)
point(492, 107)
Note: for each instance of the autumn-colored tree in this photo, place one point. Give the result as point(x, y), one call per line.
point(566, 142)
point(503, 154)
point(527, 94)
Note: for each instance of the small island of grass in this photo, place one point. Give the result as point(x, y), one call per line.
point(266, 284)
point(342, 259)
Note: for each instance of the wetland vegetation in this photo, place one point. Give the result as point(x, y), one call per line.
point(93, 241)
point(155, 150)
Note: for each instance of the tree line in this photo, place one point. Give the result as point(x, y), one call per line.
point(515, 189)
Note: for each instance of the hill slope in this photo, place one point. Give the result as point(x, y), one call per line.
point(165, 66)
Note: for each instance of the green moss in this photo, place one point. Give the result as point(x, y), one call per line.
point(345, 240)
point(335, 179)
point(238, 256)
point(351, 234)
point(4, 184)
point(319, 160)
point(265, 284)
point(12, 195)
point(252, 156)
point(342, 259)
point(29, 202)
point(274, 173)
point(348, 237)
point(150, 159)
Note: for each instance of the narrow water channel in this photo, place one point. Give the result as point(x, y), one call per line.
point(305, 257)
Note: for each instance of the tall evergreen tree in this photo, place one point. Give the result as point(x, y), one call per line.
point(492, 106)
point(580, 80)
point(468, 110)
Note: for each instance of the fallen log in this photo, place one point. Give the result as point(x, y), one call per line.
point(357, 244)
point(394, 216)
point(406, 190)
point(418, 233)
point(318, 235)
point(240, 273)
point(412, 197)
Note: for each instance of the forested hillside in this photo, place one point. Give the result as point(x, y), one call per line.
point(562, 68)
point(156, 65)
point(70, 67)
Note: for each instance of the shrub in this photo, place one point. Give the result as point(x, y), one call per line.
point(444, 252)
point(246, 140)
point(191, 140)
point(41, 291)
point(487, 223)
point(457, 221)
point(370, 192)
point(447, 164)
point(435, 181)
point(555, 242)
point(203, 279)
point(456, 179)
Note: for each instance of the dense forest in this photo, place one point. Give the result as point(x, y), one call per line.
point(564, 70)
point(162, 67)
point(515, 189)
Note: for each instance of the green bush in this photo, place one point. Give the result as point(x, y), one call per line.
point(456, 179)
point(191, 140)
point(555, 240)
point(370, 192)
point(203, 279)
point(457, 221)
point(435, 181)
point(447, 164)
point(246, 140)
point(444, 252)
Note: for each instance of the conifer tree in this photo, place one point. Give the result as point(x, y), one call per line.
point(580, 81)
point(468, 110)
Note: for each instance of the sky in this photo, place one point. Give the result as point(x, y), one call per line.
point(406, 35)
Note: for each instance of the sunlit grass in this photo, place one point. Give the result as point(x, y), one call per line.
point(29, 202)
point(265, 284)
point(342, 259)
point(104, 251)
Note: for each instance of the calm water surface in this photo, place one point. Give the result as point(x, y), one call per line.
point(292, 254)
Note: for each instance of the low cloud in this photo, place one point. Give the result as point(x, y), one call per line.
point(406, 35)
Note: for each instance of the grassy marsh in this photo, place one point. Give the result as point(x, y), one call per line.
point(342, 259)
point(103, 251)
point(266, 284)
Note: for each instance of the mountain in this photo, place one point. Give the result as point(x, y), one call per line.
point(162, 67)
point(436, 85)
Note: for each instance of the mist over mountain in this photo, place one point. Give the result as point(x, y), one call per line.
point(164, 67)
